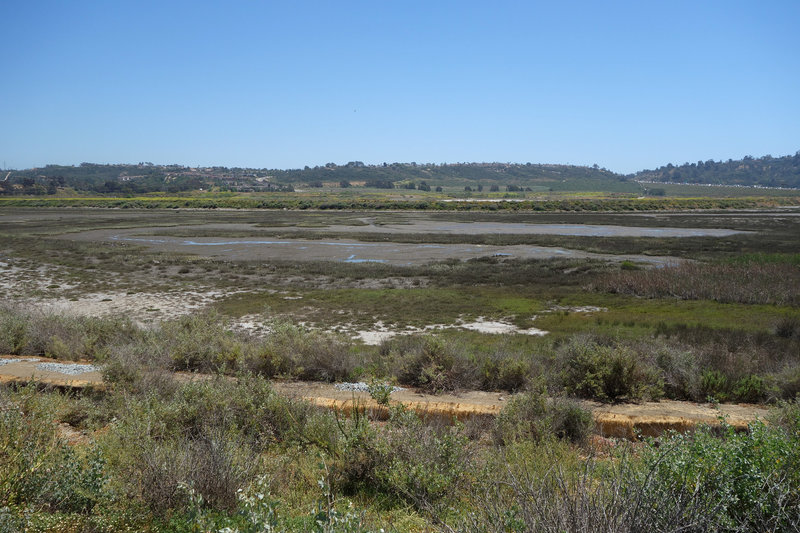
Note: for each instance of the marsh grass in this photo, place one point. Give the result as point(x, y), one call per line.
point(700, 482)
point(198, 455)
point(748, 283)
point(60, 336)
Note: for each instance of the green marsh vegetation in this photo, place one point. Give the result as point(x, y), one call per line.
point(164, 455)
point(229, 452)
point(382, 202)
point(741, 287)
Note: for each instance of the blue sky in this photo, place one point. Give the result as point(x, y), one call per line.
point(626, 85)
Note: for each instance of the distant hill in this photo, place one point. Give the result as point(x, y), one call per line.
point(129, 179)
point(146, 177)
point(456, 174)
point(765, 171)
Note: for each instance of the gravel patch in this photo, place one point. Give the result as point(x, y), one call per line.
point(17, 360)
point(360, 387)
point(66, 368)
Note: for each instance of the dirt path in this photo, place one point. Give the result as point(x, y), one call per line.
point(623, 420)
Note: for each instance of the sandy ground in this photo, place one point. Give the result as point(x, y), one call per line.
point(142, 308)
point(622, 420)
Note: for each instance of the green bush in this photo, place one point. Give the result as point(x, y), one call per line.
point(207, 435)
point(712, 480)
point(432, 363)
point(313, 355)
point(421, 463)
point(715, 385)
point(532, 416)
point(752, 477)
point(751, 389)
point(36, 467)
point(606, 372)
point(200, 342)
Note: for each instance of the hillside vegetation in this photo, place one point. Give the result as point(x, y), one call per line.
point(765, 171)
point(141, 178)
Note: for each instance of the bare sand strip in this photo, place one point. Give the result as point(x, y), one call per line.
point(629, 421)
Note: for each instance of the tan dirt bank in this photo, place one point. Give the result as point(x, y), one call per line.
point(620, 420)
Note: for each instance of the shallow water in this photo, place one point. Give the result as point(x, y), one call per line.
point(359, 252)
point(515, 228)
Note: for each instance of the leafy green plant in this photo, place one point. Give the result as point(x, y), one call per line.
point(533, 416)
point(37, 467)
point(714, 384)
point(751, 389)
point(380, 391)
point(606, 372)
point(422, 464)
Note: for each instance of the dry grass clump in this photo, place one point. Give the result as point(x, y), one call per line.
point(60, 336)
point(437, 364)
point(712, 480)
point(750, 283)
point(532, 416)
point(207, 435)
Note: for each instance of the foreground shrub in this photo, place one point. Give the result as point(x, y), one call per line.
point(60, 336)
point(708, 481)
point(606, 372)
point(754, 475)
point(532, 416)
point(206, 435)
point(420, 463)
point(36, 467)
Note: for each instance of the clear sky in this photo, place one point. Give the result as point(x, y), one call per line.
point(626, 85)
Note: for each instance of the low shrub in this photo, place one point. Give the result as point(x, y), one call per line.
point(713, 384)
point(751, 389)
point(207, 435)
point(200, 342)
point(532, 416)
point(422, 463)
point(316, 355)
point(432, 363)
point(503, 370)
point(752, 476)
point(606, 372)
point(36, 467)
point(61, 336)
point(712, 480)
point(679, 370)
